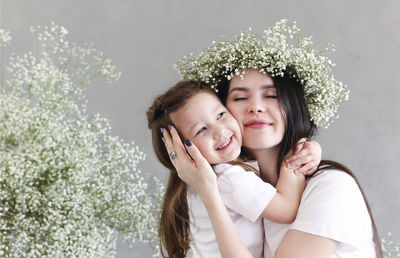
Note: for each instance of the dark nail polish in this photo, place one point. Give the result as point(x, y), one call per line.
point(162, 130)
point(188, 142)
point(169, 127)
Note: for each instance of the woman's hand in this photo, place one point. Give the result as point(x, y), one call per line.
point(191, 166)
point(306, 158)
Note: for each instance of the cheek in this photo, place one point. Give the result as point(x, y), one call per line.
point(279, 115)
point(282, 124)
point(203, 147)
point(233, 123)
point(235, 111)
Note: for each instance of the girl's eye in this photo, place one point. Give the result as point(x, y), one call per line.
point(220, 115)
point(201, 130)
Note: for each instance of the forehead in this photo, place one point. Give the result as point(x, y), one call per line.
point(202, 101)
point(197, 108)
point(252, 79)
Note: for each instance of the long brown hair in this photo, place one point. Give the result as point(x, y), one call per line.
point(174, 227)
point(298, 125)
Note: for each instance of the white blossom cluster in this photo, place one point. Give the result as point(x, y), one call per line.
point(390, 249)
point(277, 51)
point(68, 187)
point(5, 38)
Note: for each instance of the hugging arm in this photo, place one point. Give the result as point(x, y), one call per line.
point(197, 173)
point(306, 157)
point(290, 186)
point(283, 206)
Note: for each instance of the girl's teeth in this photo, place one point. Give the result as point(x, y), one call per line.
point(226, 143)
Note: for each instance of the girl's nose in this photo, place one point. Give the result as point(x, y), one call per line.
point(219, 131)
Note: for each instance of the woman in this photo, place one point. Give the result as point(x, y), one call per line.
point(334, 219)
point(201, 119)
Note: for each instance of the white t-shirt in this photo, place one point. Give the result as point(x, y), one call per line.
point(331, 206)
point(245, 195)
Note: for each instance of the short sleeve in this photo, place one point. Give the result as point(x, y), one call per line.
point(332, 206)
point(243, 191)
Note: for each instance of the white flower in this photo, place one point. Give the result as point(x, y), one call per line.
point(277, 51)
point(68, 187)
point(5, 38)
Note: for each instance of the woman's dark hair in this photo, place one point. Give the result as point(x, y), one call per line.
point(299, 125)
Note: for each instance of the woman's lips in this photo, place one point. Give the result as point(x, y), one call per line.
point(257, 124)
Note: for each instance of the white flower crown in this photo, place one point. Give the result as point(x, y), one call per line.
point(277, 51)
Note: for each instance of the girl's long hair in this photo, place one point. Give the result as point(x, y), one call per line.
point(298, 125)
point(174, 220)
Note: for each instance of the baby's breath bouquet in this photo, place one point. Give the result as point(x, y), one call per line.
point(390, 249)
point(68, 188)
point(278, 50)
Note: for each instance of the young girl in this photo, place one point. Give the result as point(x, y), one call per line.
point(201, 119)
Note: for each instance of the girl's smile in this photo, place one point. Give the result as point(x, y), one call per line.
point(209, 125)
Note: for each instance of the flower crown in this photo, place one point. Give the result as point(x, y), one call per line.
point(277, 51)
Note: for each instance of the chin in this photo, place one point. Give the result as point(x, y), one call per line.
point(260, 144)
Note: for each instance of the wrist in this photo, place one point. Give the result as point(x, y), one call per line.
point(209, 194)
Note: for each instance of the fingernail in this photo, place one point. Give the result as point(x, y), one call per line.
point(162, 138)
point(169, 127)
point(188, 142)
point(162, 130)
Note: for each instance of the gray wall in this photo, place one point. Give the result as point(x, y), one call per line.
point(144, 39)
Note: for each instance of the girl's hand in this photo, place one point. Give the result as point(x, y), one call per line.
point(306, 158)
point(191, 166)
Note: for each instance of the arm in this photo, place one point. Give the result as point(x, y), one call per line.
point(283, 206)
point(304, 245)
point(229, 242)
point(333, 211)
point(306, 158)
point(196, 172)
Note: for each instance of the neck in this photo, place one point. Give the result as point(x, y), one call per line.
point(267, 161)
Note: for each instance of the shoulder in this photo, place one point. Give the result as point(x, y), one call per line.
point(233, 175)
point(253, 163)
point(332, 206)
point(243, 192)
point(332, 180)
point(225, 167)
point(333, 195)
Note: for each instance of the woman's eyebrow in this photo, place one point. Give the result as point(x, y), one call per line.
point(245, 89)
point(238, 89)
point(270, 86)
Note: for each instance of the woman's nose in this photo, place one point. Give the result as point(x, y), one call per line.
point(256, 107)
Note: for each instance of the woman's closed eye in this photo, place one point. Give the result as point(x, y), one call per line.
point(239, 98)
point(270, 93)
point(270, 96)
